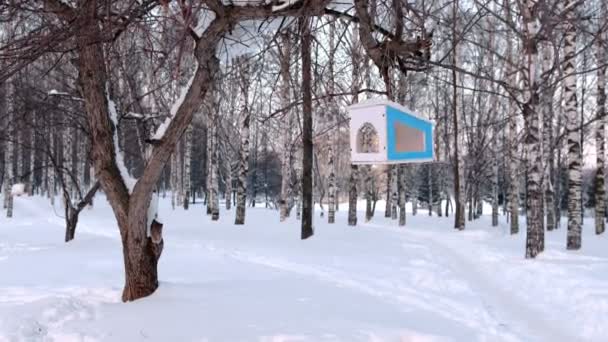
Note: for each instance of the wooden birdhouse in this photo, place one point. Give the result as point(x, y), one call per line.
point(384, 132)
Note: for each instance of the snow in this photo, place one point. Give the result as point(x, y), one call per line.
point(152, 211)
point(160, 131)
point(18, 189)
point(260, 282)
point(283, 5)
point(120, 158)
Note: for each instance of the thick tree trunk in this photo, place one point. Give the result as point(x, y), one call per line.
point(141, 266)
point(573, 126)
point(130, 200)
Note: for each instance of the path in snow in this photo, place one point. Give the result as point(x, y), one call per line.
point(513, 313)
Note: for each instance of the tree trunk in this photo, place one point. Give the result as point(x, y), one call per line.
point(331, 213)
point(352, 195)
point(600, 139)
point(513, 193)
point(243, 165)
point(547, 121)
point(402, 188)
point(307, 143)
point(9, 154)
point(286, 127)
point(187, 166)
point(459, 220)
point(394, 191)
point(534, 231)
point(573, 126)
point(389, 192)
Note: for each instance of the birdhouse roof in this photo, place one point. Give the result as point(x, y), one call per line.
point(376, 102)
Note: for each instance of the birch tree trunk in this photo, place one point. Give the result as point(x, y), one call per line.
point(394, 191)
point(534, 231)
point(389, 192)
point(573, 126)
point(228, 194)
point(10, 149)
point(187, 166)
point(600, 138)
point(547, 115)
point(214, 200)
point(307, 143)
point(334, 118)
point(459, 189)
point(32, 156)
point(286, 126)
point(402, 190)
point(512, 150)
point(354, 169)
point(331, 185)
point(243, 163)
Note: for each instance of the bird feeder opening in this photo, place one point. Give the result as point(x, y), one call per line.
point(367, 139)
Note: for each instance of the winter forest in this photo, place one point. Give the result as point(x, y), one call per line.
point(180, 170)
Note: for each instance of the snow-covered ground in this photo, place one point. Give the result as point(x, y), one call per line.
point(259, 282)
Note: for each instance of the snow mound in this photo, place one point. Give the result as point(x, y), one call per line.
point(18, 189)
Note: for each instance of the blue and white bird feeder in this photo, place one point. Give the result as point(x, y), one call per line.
point(384, 132)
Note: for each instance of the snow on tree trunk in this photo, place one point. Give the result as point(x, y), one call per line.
point(600, 138)
point(243, 162)
point(187, 166)
point(285, 126)
point(573, 126)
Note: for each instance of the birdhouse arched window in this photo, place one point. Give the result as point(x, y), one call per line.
point(367, 139)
